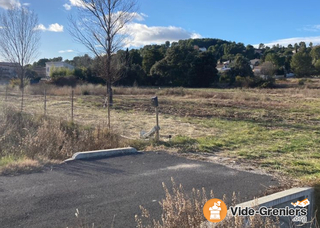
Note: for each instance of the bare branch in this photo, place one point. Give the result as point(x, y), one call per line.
point(19, 40)
point(99, 26)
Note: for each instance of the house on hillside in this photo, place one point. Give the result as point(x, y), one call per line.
point(258, 51)
point(57, 65)
point(257, 70)
point(254, 62)
point(200, 49)
point(223, 67)
point(8, 71)
point(41, 71)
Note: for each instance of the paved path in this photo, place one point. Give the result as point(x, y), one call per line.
point(117, 186)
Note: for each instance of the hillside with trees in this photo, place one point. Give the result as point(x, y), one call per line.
point(194, 63)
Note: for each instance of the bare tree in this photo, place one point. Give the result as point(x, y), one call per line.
point(19, 39)
point(101, 25)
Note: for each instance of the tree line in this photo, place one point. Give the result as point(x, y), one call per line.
point(183, 64)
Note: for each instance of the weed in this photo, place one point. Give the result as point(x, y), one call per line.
point(180, 209)
point(25, 136)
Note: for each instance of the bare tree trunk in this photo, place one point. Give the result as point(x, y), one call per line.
point(105, 35)
point(45, 101)
point(109, 76)
point(22, 97)
point(22, 89)
point(109, 105)
point(19, 40)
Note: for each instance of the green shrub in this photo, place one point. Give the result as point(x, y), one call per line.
point(61, 72)
point(227, 77)
point(253, 82)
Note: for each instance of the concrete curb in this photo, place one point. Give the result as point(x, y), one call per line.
point(102, 153)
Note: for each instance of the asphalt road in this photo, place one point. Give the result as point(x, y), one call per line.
point(102, 189)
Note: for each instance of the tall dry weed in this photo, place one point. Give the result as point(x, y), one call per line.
point(182, 210)
point(25, 135)
point(178, 209)
point(86, 89)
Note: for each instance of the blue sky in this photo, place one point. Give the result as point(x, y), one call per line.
point(247, 21)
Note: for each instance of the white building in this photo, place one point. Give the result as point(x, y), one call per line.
point(56, 65)
point(223, 67)
point(200, 49)
point(8, 70)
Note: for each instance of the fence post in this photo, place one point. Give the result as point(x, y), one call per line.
point(6, 98)
point(157, 122)
point(72, 94)
point(154, 102)
point(45, 101)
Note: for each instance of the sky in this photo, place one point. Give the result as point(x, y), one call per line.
point(246, 21)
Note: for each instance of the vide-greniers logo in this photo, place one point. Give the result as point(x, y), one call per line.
point(215, 210)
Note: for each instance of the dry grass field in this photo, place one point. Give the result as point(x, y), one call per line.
point(274, 129)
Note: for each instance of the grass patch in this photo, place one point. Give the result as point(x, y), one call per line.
point(20, 166)
point(288, 149)
point(272, 128)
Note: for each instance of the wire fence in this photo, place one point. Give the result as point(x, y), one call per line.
point(45, 104)
point(82, 105)
point(131, 113)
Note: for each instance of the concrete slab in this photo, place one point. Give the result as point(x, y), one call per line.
point(96, 154)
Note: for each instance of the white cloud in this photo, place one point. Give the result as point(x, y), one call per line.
point(312, 28)
point(134, 15)
point(78, 3)
point(40, 27)
point(81, 3)
point(140, 34)
point(55, 28)
point(7, 4)
point(66, 51)
point(52, 28)
point(284, 42)
point(139, 16)
point(144, 15)
point(26, 4)
point(67, 6)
